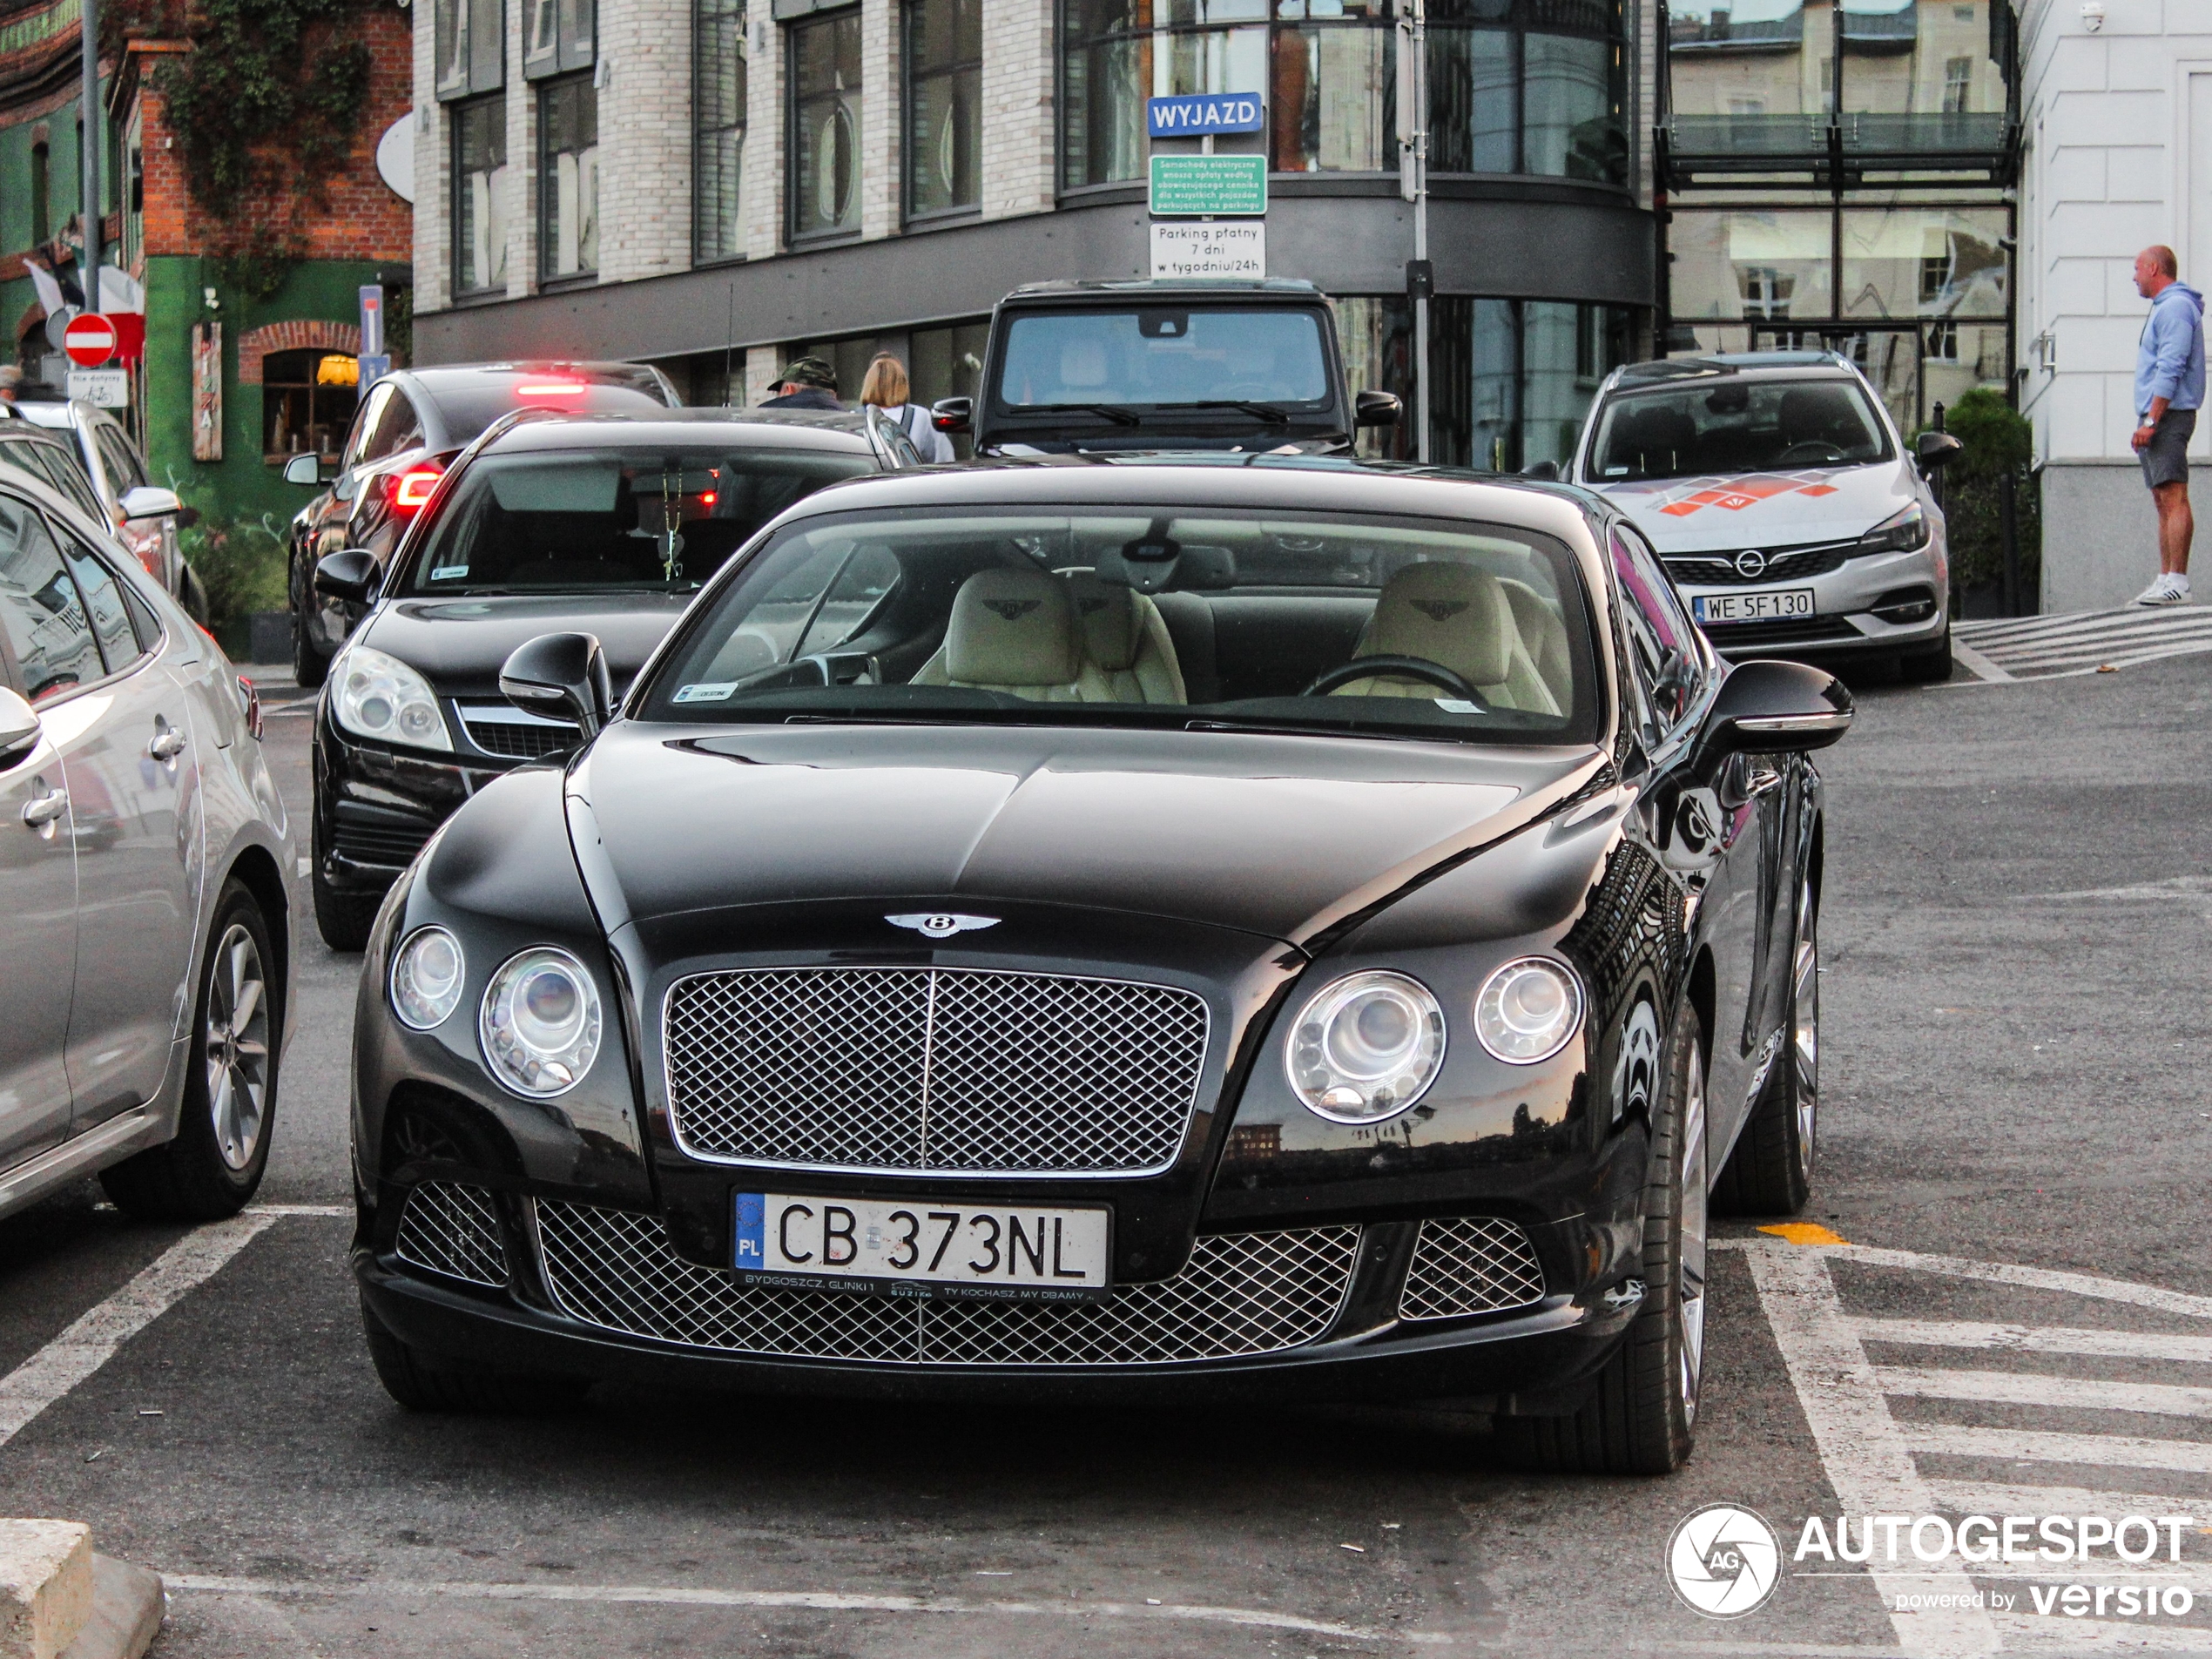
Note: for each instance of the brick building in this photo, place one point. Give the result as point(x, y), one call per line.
point(694, 181)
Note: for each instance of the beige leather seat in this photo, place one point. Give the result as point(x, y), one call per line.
point(1458, 618)
point(1126, 639)
point(1544, 636)
point(1015, 631)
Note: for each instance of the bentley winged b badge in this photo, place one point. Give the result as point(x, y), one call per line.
point(942, 925)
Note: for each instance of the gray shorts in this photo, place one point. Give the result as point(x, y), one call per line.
point(2166, 457)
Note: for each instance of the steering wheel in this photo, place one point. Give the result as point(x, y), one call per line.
point(1824, 451)
point(1415, 668)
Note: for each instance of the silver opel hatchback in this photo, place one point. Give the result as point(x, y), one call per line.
point(145, 954)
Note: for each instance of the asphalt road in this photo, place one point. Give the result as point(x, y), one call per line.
point(2015, 936)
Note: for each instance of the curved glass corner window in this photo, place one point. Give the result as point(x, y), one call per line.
point(480, 203)
point(568, 177)
point(1506, 96)
point(825, 125)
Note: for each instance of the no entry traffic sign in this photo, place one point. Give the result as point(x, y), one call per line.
point(89, 340)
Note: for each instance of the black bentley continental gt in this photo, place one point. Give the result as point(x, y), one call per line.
point(1271, 927)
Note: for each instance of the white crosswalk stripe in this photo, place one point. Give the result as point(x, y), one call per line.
point(2086, 643)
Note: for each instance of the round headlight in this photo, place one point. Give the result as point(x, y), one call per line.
point(540, 1023)
point(1366, 1047)
point(427, 976)
point(1527, 1010)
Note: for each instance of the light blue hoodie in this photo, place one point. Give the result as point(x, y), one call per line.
point(2169, 363)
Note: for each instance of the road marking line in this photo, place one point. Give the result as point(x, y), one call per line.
point(2039, 1445)
point(342, 1211)
point(828, 1601)
point(1977, 664)
point(2033, 1278)
point(2033, 1388)
point(2037, 1632)
point(1865, 1458)
point(1986, 1497)
point(92, 1340)
point(2024, 1339)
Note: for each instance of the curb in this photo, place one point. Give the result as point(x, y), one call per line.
point(59, 1599)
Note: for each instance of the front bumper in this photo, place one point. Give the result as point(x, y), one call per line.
point(375, 804)
point(1846, 601)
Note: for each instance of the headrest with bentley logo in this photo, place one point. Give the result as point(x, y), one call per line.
point(1453, 615)
point(1108, 614)
point(1012, 628)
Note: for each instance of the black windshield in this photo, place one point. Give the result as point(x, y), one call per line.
point(1123, 360)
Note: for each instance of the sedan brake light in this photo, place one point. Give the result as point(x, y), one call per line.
point(549, 388)
point(412, 492)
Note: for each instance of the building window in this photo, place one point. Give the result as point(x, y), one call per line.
point(567, 178)
point(42, 192)
point(558, 36)
point(1502, 99)
point(480, 196)
point(825, 185)
point(1957, 81)
point(944, 69)
point(469, 43)
point(308, 400)
point(717, 130)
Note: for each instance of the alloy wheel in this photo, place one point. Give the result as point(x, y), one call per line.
point(236, 1045)
point(1692, 1248)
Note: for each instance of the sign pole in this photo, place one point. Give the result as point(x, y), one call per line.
point(1420, 229)
point(89, 118)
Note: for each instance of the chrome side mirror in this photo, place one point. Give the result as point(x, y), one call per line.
point(19, 728)
point(349, 574)
point(561, 674)
point(952, 413)
point(150, 501)
point(1376, 408)
point(1774, 708)
point(1936, 450)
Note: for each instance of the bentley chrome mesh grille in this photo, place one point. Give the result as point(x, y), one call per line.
point(1242, 1293)
point(962, 1070)
point(1470, 1264)
point(454, 1230)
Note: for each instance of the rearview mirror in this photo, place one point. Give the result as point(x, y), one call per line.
point(1936, 450)
point(303, 470)
point(150, 501)
point(561, 674)
point(1376, 408)
point(19, 729)
point(350, 575)
point(952, 413)
point(1775, 708)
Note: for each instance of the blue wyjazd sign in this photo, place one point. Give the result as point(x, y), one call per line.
point(1195, 116)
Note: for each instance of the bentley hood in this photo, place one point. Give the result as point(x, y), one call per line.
point(1725, 514)
point(1274, 835)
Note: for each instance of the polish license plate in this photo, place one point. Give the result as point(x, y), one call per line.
point(922, 1248)
point(1776, 604)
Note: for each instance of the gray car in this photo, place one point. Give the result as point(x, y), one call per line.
point(146, 964)
point(144, 516)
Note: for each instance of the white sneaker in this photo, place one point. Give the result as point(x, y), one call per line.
point(2168, 589)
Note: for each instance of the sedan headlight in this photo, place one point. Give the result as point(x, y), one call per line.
point(1527, 1010)
point(1901, 532)
point(540, 1023)
point(1366, 1047)
point(379, 695)
point(427, 976)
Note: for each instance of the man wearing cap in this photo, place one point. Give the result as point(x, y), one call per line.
point(809, 383)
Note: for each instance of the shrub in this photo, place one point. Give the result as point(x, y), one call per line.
point(1998, 441)
point(240, 565)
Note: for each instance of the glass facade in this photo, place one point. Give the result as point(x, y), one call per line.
point(825, 146)
point(1515, 86)
point(480, 198)
point(567, 178)
point(718, 129)
point(944, 104)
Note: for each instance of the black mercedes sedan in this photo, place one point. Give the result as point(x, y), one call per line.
point(1090, 928)
point(605, 522)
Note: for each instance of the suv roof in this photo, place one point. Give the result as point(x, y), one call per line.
point(1756, 363)
point(1072, 289)
point(777, 428)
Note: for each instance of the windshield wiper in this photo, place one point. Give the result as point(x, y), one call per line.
point(1112, 412)
point(1266, 412)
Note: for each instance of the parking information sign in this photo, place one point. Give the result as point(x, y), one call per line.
point(1233, 250)
point(1197, 116)
point(1229, 186)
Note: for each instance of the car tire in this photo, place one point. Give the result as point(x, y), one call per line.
point(1769, 1173)
point(343, 919)
point(213, 1165)
point(419, 1382)
point(1929, 667)
point(310, 666)
point(1641, 1417)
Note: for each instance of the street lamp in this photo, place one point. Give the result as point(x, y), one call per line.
point(1412, 185)
point(91, 124)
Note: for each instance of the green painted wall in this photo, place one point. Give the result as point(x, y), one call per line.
point(62, 175)
point(241, 485)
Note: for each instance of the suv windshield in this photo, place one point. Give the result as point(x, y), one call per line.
point(1319, 622)
point(1735, 426)
point(1149, 357)
point(571, 519)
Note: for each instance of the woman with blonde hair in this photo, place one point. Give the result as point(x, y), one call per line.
point(886, 387)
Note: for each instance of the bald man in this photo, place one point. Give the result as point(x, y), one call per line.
point(2169, 386)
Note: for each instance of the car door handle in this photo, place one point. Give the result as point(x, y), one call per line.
point(41, 811)
point(167, 745)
